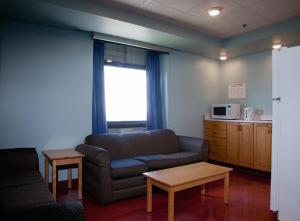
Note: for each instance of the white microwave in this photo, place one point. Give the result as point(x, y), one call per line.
point(225, 111)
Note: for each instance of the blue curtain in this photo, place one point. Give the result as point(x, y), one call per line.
point(154, 104)
point(98, 108)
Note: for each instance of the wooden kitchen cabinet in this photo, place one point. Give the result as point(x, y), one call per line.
point(215, 134)
point(240, 144)
point(233, 143)
point(262, 146)
point(244, 144)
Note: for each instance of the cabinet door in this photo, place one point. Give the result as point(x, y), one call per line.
point(217, 152)
point(233, 143)
point(246, 145)
point(262, 146)
point(215, 133)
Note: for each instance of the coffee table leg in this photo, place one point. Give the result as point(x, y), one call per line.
point(171, 205)
point(203, 189)
point(149, 196)
point(226, 188)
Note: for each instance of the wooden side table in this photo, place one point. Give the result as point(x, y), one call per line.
point(63, 157)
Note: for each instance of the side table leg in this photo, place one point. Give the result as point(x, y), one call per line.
point(69, 178)
point(54, 178)
point(46, 178)
point(226, 188)
point(171, 205)
point(80, 179)
point(149, 196)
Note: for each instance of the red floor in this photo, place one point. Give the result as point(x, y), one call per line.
point(249, 200)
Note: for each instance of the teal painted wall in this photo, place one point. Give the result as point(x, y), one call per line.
point(256, 71)
point(193, 83)
point(45, 87)
point(192, 86)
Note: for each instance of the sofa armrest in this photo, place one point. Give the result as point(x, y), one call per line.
point(48, 212)
point(18, 160)
point(95, 155)
point(97, 172)
point(193, 144)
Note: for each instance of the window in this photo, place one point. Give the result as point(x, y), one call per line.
point(125, 95)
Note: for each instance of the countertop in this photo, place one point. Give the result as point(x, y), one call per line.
point(240, 120)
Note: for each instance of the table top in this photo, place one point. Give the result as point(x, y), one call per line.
point(188, 173)
point(56, 154)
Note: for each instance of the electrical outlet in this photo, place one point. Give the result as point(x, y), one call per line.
point(258, 111)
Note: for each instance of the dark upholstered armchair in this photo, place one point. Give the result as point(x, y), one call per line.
point(23, 193)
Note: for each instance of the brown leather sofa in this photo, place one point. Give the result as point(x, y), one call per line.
point(114, 163)
point(23, 193)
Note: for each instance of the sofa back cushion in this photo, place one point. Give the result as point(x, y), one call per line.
point(139, 143)
point(165, 141)
point(18, 160)
point(111, 142)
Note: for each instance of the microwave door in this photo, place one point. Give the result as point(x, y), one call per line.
point(220, 112)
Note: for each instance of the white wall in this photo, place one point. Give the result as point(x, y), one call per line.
point(45, 87)
point(192, 86)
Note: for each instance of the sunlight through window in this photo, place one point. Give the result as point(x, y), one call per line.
point(125, 94)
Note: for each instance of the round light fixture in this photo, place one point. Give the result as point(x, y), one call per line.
point(276, 46)
point(214, 11)
point(223, 57)
point(108, 60)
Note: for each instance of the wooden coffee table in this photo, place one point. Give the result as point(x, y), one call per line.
point(63, 157)
point(184, 177)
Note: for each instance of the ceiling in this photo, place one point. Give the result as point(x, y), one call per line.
point(235, 13)
point(141, 21)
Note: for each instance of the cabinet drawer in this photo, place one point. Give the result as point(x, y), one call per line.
point(219, 125)
point(214, 133)
point(217, 152)
point(216, 141)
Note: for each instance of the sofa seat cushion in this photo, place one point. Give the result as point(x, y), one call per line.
point(127, 168)
point(25, 196)
point(156, 162)
point(19, 179)
point(125, 183)
point(186, 157)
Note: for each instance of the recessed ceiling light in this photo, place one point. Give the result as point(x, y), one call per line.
point(223, 57)
point(276, 46)
point(214, 11)
point(108, 60)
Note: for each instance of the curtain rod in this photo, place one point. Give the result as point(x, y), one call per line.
point(132, 43)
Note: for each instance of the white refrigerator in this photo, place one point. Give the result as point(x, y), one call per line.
point(285, 176)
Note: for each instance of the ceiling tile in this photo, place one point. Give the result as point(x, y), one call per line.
point(193, 13)
point(271, 8)
point(133, 3)
point(160, 9)
point(180, 5)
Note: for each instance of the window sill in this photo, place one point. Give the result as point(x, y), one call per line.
point(126, 124)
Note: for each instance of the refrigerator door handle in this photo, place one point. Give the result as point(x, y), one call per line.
point(276, 99)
